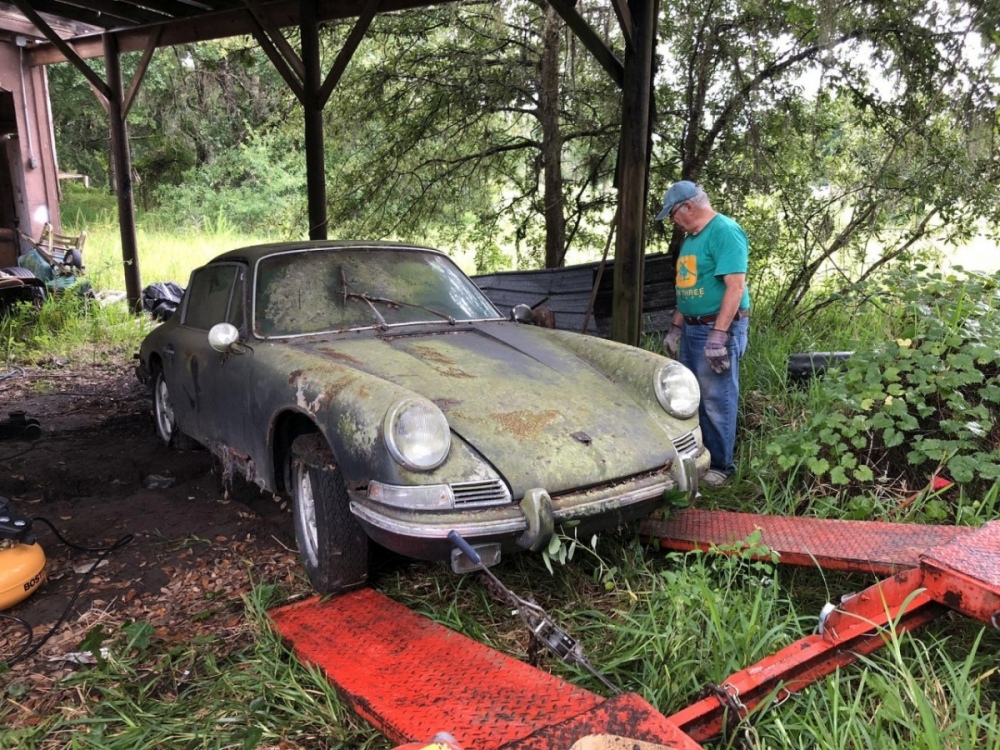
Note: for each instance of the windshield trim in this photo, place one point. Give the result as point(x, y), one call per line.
point(375, 325)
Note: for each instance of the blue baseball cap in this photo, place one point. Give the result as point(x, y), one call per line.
point(675, 195)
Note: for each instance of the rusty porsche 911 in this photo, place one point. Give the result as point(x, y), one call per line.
point(378, 388)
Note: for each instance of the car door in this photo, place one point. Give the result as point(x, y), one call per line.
point(207, 384)
point(228, 411)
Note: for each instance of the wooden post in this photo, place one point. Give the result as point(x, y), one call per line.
point(630, 247)
point(122, 157)
point(313, 112)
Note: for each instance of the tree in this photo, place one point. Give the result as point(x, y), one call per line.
point(476, 120)
point(896, 146)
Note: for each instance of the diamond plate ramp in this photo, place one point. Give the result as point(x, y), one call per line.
point(867, 546)
point(965, 574)
point(412, 678)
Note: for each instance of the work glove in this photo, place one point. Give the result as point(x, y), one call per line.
point(715, 350)
point(672, 340)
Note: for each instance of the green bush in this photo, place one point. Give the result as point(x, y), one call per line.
point(925, 404)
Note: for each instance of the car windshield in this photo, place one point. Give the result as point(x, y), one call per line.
point(316, 291)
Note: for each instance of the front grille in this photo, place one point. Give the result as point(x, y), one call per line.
point(488, 492)
point(685, 444)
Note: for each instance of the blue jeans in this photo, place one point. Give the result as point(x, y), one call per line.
point(720, 391)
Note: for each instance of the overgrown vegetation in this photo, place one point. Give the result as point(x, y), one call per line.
point(922, 403)
point(844, 137)
point(663, 625)
point(448, 125)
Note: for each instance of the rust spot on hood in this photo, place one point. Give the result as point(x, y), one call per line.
point(430, 354)
point(340, 356)
point(293, 376)
point(445, 365)
point(526, 424)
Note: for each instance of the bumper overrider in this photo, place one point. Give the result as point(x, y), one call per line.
point(530, 523)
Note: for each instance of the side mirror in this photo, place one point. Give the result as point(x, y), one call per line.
point(222, 336)
point(522, 314)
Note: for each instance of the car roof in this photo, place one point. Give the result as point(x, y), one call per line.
point(253, 253)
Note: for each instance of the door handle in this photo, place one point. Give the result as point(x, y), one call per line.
point(168, 351)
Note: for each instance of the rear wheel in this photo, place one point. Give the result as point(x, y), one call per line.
point(163, 415)
point(332, 545)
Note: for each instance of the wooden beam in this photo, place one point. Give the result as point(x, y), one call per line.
point(313, 118)
point(140, 73)
point(67, 51)
point(278, 39)
point(633, 155)
point(105, 13)
point(605, 57)
point(122, 157)
point(625, 21)
point(350, 47)
point(81, 16)
point(280, 63)
point(218, 26)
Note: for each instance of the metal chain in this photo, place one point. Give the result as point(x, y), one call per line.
point(737, 715)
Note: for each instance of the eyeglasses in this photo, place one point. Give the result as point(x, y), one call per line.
point(675, 209)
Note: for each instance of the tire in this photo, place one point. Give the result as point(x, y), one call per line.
point(163, 418)
point(807, 365)
point(332, 545)
point(21, 273)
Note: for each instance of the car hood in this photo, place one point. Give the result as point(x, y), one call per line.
point(539, 414)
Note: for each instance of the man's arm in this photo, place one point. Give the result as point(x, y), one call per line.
point(735, 284)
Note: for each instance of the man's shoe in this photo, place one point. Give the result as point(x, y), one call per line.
point(715, 478)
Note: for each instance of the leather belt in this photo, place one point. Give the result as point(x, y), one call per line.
point(704, 320)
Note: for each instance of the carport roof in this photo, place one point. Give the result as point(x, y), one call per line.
point(177, 21)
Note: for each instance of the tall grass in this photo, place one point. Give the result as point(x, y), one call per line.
point(662, 625)
point(204, 694)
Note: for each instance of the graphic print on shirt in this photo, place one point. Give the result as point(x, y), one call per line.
point(687, 271)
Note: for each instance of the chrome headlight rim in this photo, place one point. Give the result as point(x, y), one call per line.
point(398, 452)
point(674, 371)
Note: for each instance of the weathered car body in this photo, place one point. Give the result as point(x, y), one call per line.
point(377, 386)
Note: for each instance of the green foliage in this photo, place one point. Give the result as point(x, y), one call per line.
point(65, 325)
point(871, 140)
point(84, 207)
point(927, 403)
point(256, 187)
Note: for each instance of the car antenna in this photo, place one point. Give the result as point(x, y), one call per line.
point(543, 628)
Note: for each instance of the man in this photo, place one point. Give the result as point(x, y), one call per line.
point(709, 329)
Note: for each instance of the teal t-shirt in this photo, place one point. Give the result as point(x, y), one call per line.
point(720, 248)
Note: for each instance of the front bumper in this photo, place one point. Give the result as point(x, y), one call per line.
point(530, 523)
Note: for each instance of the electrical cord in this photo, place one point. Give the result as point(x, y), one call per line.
point(29, 647)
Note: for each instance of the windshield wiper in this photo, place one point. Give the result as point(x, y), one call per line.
point(382, 325)
point(385, 301)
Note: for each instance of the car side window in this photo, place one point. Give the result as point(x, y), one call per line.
point(209, 295)
point(237, 304)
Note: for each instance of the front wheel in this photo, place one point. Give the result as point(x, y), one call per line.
point(166, 423)
point(332, 545)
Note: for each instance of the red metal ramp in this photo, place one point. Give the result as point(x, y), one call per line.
point(412, 678)
point(867, 546)
point(965, 574)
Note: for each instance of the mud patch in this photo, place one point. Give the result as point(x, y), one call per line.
point(98, 473)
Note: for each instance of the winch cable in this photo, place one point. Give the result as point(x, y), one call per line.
point(543, 628)
point(30, 648)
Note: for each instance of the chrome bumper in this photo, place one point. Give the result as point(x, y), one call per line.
point(530, 523)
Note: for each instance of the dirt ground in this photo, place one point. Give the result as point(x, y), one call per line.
point(97, 473)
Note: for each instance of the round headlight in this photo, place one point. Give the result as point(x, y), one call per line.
point(677, 390)
point(417, 434)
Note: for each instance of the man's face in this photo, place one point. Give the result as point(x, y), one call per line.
point(682, 215)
